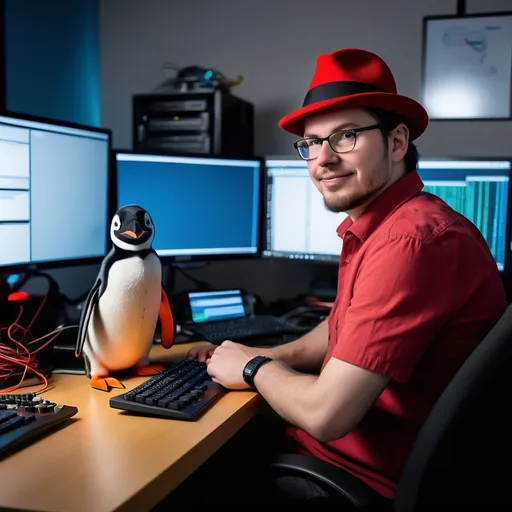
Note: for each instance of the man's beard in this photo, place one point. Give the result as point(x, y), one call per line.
point(347, 203)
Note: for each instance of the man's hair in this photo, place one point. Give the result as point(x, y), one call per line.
point(389, 121)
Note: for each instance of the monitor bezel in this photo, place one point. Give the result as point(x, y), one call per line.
point(199, 257)
point(505, 273)
point(22, 268)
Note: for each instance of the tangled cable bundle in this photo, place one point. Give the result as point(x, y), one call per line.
point(19, 351)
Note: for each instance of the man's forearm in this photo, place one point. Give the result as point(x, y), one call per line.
point(304, 354)
point(289, 393)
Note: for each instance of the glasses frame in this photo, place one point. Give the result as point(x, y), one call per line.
point(354, 131)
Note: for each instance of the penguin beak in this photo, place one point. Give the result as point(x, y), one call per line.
point(135, 232)
point(131, 234)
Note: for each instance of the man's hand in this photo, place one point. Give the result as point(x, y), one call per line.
point(202, 352)
point(227, 364)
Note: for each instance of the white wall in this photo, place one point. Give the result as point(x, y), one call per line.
point(274, 45)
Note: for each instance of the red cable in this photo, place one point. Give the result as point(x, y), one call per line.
point(18, 357)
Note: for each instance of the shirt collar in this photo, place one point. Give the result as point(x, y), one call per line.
point(398, 193)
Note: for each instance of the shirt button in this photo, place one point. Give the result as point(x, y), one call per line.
point(347, 260)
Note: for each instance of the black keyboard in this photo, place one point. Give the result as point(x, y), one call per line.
point(240, 328)
point(26, 417)
point(184, 391)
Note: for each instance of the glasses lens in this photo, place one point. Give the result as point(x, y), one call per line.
point(303, 149)
point(343, 142)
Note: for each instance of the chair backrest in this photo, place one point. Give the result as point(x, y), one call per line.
point(463, 452)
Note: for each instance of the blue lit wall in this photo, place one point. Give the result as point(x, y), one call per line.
point(53, 59)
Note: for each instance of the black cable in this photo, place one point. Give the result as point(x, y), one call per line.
point(53, 286)
point(201, 285)
point(77, 300)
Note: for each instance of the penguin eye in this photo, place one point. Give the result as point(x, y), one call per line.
point(116, 223)
point(147, 221)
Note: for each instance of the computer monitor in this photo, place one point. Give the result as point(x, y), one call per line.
point(203, 207)
point(299, 226)
point(480, 190)
point(54, 195)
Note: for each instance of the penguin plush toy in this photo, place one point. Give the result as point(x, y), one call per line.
point(121, 312)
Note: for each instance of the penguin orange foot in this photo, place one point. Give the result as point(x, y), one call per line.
point(150, 369)
point(105, 383)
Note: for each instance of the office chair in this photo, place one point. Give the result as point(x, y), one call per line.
point(462, 455)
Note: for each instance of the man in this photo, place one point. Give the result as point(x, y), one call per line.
point(418, 288)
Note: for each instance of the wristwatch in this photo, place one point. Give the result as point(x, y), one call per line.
point(252, 367)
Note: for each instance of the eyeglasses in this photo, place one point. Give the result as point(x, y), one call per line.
point(343, 141)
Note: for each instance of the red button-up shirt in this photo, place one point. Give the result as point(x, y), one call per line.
point(418, 289)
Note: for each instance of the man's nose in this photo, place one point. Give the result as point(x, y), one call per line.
point(327, 155)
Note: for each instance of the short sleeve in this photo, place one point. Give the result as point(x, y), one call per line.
point(402, 296)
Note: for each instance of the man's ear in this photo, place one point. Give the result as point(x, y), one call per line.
point(399, 138)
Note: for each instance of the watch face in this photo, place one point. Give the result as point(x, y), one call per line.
point(249, 367)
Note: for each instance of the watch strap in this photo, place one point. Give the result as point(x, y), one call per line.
point(252, 367)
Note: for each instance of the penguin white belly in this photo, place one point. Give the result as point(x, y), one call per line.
point(123, 325)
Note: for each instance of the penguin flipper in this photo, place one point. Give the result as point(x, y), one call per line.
point(167, 323)
point(90, 303)
point(92, 299)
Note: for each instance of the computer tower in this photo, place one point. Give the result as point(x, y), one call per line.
point(211, 122)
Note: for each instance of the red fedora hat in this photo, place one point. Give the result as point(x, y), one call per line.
point(352, 78)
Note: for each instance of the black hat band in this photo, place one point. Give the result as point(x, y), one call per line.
point(332, 90)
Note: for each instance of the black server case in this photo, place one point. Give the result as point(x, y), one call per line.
point(212, 122)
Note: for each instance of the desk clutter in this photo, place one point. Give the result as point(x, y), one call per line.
point(183, 391)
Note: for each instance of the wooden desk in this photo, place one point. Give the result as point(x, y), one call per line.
point(105, 460)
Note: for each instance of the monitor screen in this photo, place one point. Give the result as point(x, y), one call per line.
point(217, 305)
point(479, 189)
point(299, 226)
point(202, 207)
point(53, 192)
